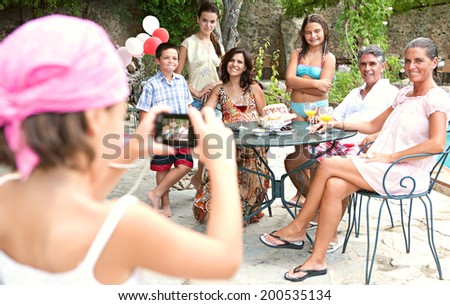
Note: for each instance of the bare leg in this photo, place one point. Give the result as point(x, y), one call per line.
point(329, 168)
point(165, 201)
point(301, 180)
point(155, 200)
point(197, 178)
point(164, 184)
point(336, 178)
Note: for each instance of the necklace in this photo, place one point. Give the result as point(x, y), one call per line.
point(206, 42)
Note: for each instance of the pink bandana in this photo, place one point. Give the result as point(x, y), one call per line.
point(56, 64)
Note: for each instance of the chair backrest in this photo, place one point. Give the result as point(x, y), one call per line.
point(403, 181)
point(437, 168)
point(446, 67)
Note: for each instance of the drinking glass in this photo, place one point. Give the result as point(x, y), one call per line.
point(310, 110)
point(326, 115)
point(241, 105)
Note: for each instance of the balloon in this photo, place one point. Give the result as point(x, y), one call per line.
point(151, 44)
point(134, 46)
point(162, 34)
point(143, 37)
point(150, 24)
point(124, 55)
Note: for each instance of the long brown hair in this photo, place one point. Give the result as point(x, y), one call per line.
point(317, 19)
point(246, 78)
point(209, 7)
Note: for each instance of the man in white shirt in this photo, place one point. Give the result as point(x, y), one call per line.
point(361, 104)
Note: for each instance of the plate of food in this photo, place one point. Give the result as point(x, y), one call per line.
point(284, 131)
point(259, 132)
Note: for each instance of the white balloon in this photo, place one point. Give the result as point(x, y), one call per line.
point(134, 46)
point(150, 24)
point(143, 37)
point(124, 55)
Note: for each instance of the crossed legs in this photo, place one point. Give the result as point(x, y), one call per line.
point(336, 178)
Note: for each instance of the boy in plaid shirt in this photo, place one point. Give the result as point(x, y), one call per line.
point(169, 89)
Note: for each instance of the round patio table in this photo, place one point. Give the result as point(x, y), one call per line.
point(300, 136)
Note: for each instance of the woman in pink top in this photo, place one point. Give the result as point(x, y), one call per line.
point(424, 104)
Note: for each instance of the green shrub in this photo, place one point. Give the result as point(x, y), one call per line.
point(272, 92)
point(345, 79)
point(393, 67)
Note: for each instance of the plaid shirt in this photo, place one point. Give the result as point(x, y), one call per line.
point(158, 91)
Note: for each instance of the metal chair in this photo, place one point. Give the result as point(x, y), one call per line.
point(357, 206)
point(444, 74)
point(134, 115)
point(423, 197)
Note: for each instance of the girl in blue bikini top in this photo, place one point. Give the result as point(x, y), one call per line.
point(311, 71)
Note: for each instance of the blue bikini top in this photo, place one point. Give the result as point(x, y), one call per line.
point(311, 71)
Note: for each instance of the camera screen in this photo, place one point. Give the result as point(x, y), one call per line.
point(175, 129)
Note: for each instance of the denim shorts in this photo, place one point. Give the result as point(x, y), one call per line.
point(199, 105)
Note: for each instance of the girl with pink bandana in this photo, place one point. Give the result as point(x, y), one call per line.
point(62, 95)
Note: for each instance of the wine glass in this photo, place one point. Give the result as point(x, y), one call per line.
point(326, 115)
point(310, 110)
point(241, 105)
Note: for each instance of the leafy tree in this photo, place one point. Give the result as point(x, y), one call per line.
point(44, 7)
point(176, 16)
point(303, 7)
point(360, 23)
point(230, 35)
point(179, 18)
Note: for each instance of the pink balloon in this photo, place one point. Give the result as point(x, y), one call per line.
point(124, 55)
point(151, 44)
point(134, 46)
point(162, 34)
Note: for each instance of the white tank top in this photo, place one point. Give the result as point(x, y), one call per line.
point(12, 272)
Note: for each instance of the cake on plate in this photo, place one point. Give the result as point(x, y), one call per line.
point(275, 116)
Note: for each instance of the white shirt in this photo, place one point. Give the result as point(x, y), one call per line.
point(355, 108)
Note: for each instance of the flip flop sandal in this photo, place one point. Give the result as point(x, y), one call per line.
point(309, 273)
point(296, 245)
point(293, 204)
point(312, 226)
point(333, 247)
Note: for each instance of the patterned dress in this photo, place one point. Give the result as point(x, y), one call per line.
point(252, 188)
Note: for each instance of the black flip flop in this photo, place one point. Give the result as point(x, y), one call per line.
point(309, 273)
point(286, 244)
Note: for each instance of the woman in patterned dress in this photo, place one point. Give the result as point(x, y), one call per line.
point(237, 77)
